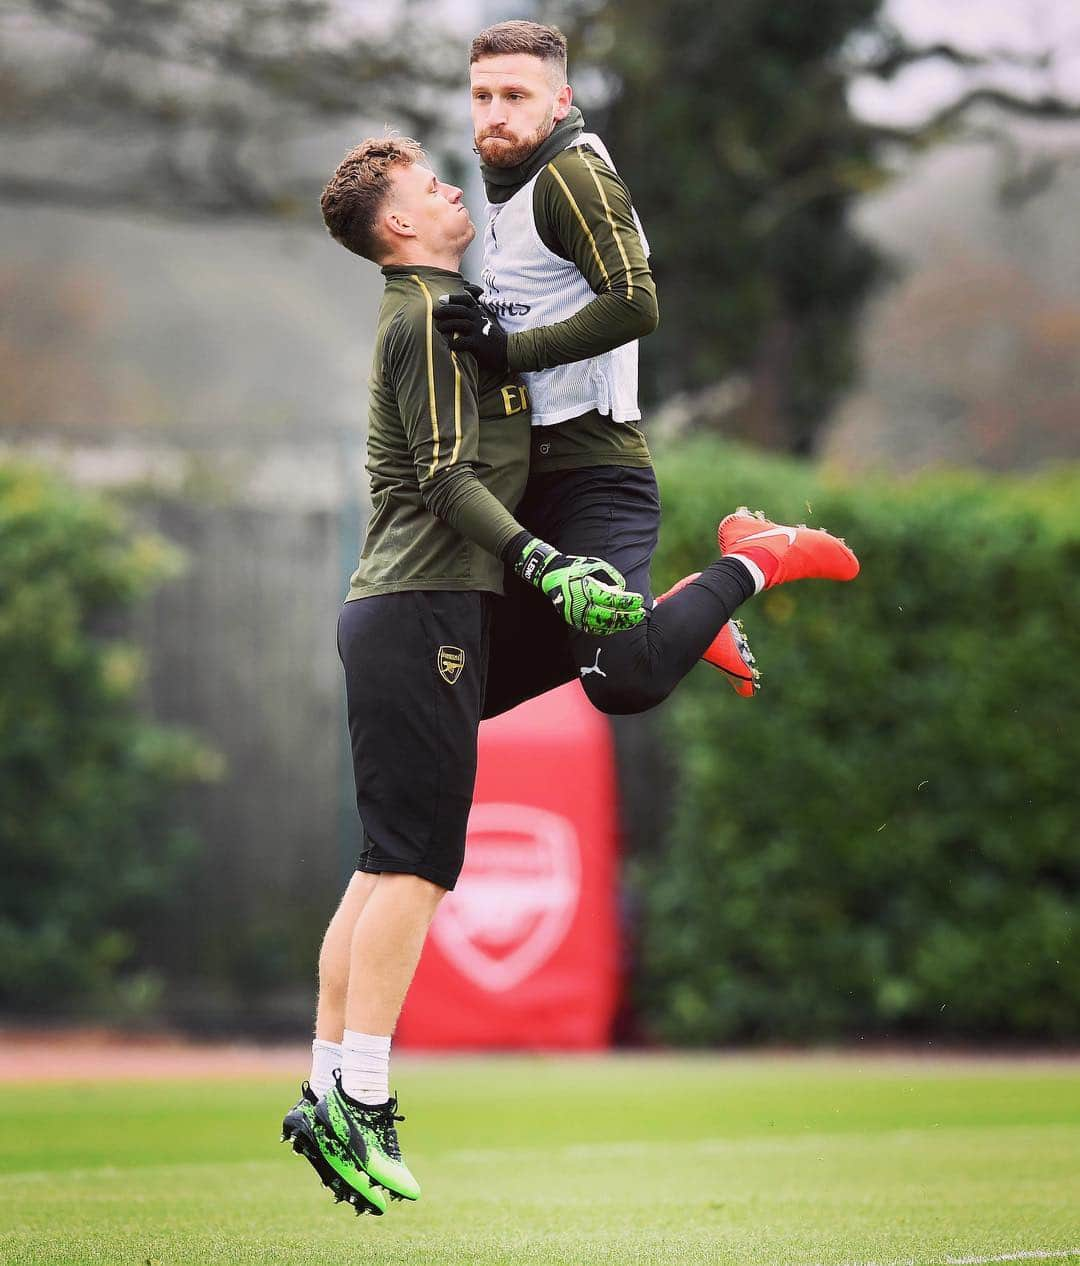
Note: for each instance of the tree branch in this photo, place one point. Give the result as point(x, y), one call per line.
point(1044, 107)
point(899, 56)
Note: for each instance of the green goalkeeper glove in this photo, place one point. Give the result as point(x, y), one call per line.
point(589, 594)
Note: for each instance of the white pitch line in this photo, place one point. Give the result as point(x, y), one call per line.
point(1029, 1255)
point(731, 1146)
point(1035, 1255)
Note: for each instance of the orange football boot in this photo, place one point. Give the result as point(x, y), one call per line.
point(786, 553)
point(729, 650)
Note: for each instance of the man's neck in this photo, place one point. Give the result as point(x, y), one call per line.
point(449, 262)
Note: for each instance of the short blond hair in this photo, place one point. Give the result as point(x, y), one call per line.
point(546, 42)
point(355, 193)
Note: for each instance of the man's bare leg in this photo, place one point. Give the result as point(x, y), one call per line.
point(353, 1125)
point(386, 944)
point(367, 961)
point(335, 955)
point(298, 1128)
point(334, 982)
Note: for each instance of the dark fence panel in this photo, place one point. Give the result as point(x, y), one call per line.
point(242, 649)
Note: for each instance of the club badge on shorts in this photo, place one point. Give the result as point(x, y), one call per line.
point(450, 661)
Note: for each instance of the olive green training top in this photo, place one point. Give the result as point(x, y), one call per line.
point(583, 212)
point(448, 451)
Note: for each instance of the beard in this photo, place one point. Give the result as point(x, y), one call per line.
point(508, 150)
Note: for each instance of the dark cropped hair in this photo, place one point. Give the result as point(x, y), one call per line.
point(546, 42)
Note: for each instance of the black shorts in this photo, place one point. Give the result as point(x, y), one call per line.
point(609, 512)
point(415, 674)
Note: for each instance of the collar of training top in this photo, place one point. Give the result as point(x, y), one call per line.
point(425, 270)
point(501, 183)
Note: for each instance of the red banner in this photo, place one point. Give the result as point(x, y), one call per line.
point(524, 952)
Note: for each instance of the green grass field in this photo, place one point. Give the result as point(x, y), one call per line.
point(530, 1160)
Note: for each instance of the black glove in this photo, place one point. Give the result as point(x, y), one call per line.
point(468, 327)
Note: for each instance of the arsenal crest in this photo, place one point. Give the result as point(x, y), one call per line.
point(450, 661)
point(516, 898)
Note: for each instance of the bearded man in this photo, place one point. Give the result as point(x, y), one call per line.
point(567, 292)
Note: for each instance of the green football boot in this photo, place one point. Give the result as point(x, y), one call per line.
point(298, 1128)
point(360, 1141)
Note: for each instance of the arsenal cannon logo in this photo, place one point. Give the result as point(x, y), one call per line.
point(450, 661)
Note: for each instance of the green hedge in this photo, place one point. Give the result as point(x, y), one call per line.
point(87, 847)
point(884, 842)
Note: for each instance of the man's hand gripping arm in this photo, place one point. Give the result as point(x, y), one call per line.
point(583, 213)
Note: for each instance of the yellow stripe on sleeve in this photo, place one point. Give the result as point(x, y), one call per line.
point(430, 376)
point(581, 220)
point(431, 387)
point(457, 409)
point(611, 221)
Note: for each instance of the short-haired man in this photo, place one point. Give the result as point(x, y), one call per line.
point(566, 275)
point(448, 452)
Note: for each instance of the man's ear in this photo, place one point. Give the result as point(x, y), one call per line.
point(563, 102)
point(395, 223)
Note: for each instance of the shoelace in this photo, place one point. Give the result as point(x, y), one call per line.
point(382, 1121)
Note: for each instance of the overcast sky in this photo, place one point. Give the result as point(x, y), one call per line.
point(1029, 27)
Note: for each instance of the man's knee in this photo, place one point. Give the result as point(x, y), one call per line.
point(414, 891)
point(624, 698)
point(404, 882)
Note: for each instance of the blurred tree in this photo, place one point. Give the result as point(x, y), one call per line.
point(89, 845)
point(55, 369)
point(733, 127)
point(732, 123)
point(971, 362)
point(202, 108)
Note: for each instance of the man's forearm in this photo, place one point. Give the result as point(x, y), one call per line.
point(606, 322)
point(461, 501)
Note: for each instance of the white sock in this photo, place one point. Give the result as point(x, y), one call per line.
point(365, 1067)
point(325, 1057)
point(756, 574)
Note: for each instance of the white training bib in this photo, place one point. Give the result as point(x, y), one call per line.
point(526, 285)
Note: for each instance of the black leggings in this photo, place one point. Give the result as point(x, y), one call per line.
point(613, 513)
